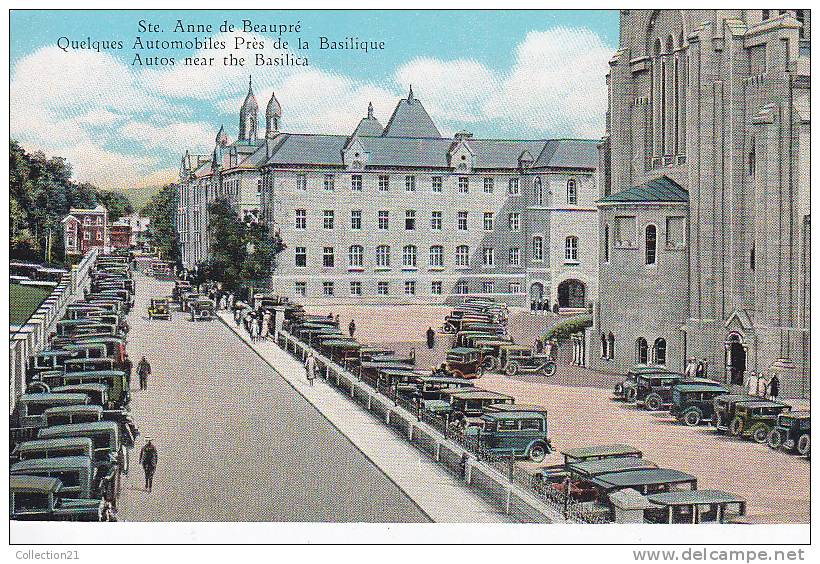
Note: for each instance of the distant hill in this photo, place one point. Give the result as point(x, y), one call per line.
point(140, 196)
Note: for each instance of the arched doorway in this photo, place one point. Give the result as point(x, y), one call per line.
point(536, 296)
point(572, 293)
point(735, 358)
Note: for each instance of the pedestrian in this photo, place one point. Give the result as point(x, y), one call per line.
point(338, 321)
point(260, 322)
point(127, 367)
point(700, 370)
point(265, 330)
point(310, 367)
point(148, 459)
point(431, 338)
point(236, 316)
point(352, 327)
point(774, 387)
point(143, 371)
point(254, 327)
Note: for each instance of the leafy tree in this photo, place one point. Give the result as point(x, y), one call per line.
point(116, 203)
point(161, 209)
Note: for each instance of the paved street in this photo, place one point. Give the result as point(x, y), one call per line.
point(235, 441)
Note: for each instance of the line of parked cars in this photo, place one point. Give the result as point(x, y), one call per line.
point(695, 401)
point(71, 431)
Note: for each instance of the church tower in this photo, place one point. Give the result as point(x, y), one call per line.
point(248, 116)
point(273, 116)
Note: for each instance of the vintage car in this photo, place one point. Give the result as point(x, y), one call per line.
point(599, 452)
point(89, 364)
point(463, 338)
point(518, 430)
point(34, 498)
point(654, 391)
point(470, 402)
point(202, 310)
point(80, 327)
point(491, 351)
point(792, 432)
point(117, 381)
point(646, 481)
point(109, 451)
point(68, 414)
point(82, 311)
point(180, 288)
point(627, 388)
point(123, 296)
point(187, 298)
point(694, 507)
point(159, 308)
point(464, 363)
point(430, 387)
point(98, 395)
point(32, 407)
point(514, 359)
point(579, 474)
point(54, 448)
point(75, 472)
point(756, 419)
point(111, 347)
point(47, 360)
point(693, 404)
point(370, 370)
point(343, 352)
point(454, 322)
point(724, 409)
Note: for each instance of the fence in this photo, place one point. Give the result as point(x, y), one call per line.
point(33, 335)
point(495, 477)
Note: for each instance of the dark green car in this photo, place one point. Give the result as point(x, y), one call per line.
point(756, 419)
point(37, 498)
point(694, 403)
point(792, 432)
point(518, 432)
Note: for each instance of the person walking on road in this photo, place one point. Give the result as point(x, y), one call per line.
point(148, 459)
point(310, 367)
point(431, 338)
point(143, 371)
point(351, 328)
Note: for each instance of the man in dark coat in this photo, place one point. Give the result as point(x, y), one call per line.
point(774, 387)
point(351, 328)
point(148, 459)
point(143, 371)
point(127, 367)
point(431, 338)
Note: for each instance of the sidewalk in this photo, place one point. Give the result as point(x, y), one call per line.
point(442, 497)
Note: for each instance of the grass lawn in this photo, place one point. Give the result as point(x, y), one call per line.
point(24, 301)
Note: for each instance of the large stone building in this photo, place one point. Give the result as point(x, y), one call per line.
point(704, 208)
point(400, 213)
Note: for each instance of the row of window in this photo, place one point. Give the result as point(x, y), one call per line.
point(355, 255)
point(410, 223)
point(642, 351)
point(626, 226)
point(383, 288)
point(410, 184)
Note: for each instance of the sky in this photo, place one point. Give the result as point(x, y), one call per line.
point(497, 74)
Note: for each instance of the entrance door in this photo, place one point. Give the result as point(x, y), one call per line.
point(572, 294)
point(735, 359)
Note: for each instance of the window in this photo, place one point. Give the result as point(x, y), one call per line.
point(462, 221)
point(489, 256)
point(383, 256)
point(462, 287)
point(355, 219)
point(384, 219)
point(752, 258)
point(410, 183)
point(515, 287)
point(300, 289)
point(409, 256)
point(675, 232)
point(651, 243)
point(410, 287)
point(259, 187)
point(410, 220)
point(463, 184)
point(515, 256)
point(489, 185)
point(330, 183)
point(327, 219)
point(301, 182)
point(488, 221)
point(355, 256)
point(384, 183)
point(438, 183)
point(327, 288)
point(571, 248)
point(355, 288)
point(752, 159)
point(641, 351)
point(513, 187)
point(610, 346)
point(537, 192)
point(606, 243)
point(488, 287)
point(328, 258)
point(625, 228)
point(437, 256)
point(301, 256)
point(435, 220)
point(660, 351)
point(99, 235)
point(462, 255)
point(572, 192)
point(514, 221)
point(383, 288)
point(435, 287)
point(356, 182)
point(537, 248)
point(301, 219)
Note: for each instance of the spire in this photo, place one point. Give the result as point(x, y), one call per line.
point(370, 110)
point(250, 85)
point(221, 136)
point(410, 95)
point(248, 115)
point(273, 114)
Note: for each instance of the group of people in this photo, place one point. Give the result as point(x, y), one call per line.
point(258, 323)
point(543, 306)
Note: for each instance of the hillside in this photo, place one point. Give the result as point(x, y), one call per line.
point(140, 196)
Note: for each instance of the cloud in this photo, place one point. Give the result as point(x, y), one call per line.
point(194, 135)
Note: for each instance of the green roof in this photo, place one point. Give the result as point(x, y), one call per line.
point(602, 450)
point(35, 464)
point(647, 477)
point(661, 189)
point(65, 442)
point(34, 483)
point(610, 465)
point(694, 497)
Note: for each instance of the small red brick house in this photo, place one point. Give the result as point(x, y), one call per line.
point(120, 235)
point(85, 229)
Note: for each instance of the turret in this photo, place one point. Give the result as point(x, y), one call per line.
point(248, 116)
point(273, 115)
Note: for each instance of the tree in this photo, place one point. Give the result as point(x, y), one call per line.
point(117, 204)
point(161, 210)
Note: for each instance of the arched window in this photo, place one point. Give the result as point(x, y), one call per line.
point(641, 351)
point(660, 351)
point(610, 346)
point(571, 248)
point(383, 255)
point(537, 248)
point(651, 243)
point(409, 255)
point(604, 346)
point(572, 192)
point(537, 192)
point(606, 243)
point(355, 255)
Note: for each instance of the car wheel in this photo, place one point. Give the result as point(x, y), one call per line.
point(449, 328)
point(538, 453)
point(653, 402)
point(631, 394)
point(550, 369)
point(489, 363)
point(760, 434)
point(775, 439)
point(736, 427)
point(692, 418)
point(512, 368)
point(804, 444)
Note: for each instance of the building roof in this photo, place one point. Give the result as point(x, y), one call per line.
point(568, 153)
point(410, 119)
point(661, 189)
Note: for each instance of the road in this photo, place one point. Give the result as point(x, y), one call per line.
point(235, 441)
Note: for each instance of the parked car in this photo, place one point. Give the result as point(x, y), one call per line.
point(694, 507)
point(67, 414)
point(580, 473)
point(627, 389)
point(180, 287)
point(756, 419)
point(201, 310)
point(34, 498)
point(32, 407)
point(430, 387)
point(654, 391)
point(47, 360)
point(75, 472)
point(491, 352)
point(89, 364)
point(724, 409)
point(159, 308)
point(116, 380)
point(464, 363)
point(647, 481)
point(472, 402)
point(521, 431)
point(693, 404)
point(514, 359)
point(792, 432)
